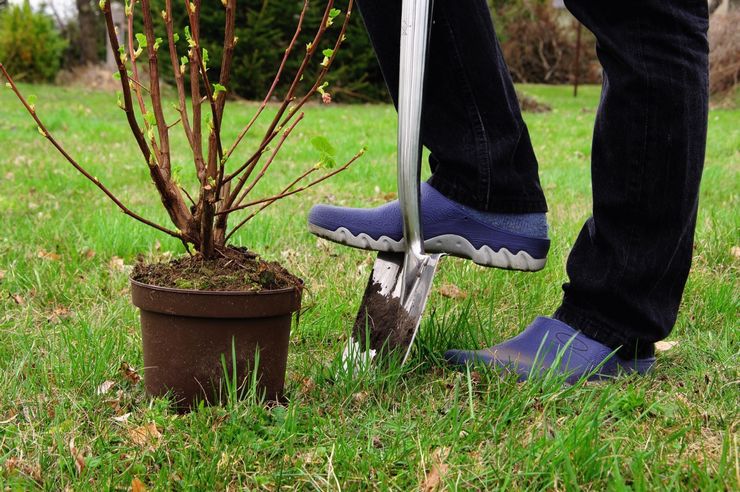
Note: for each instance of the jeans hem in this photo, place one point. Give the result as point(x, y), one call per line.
point(587, 323)
point(465, 197)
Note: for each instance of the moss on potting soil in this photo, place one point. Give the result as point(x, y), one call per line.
point(235, 270)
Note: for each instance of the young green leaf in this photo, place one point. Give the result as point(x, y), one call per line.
point(218, 88)
point(141, 39)
point(205, 58)
point(322, 145)
point(333, 13)
point(188, 37)
point(149, 117)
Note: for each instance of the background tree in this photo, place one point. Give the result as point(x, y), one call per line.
point(90, 33)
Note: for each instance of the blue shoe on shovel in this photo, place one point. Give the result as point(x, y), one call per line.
point(447, 227)
point(549, 343)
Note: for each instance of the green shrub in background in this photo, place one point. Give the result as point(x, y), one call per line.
point(30, 45)
point(264, 29)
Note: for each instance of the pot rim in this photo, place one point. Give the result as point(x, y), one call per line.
point(176, 290)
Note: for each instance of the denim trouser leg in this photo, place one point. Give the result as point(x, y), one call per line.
point(629, 265)
point(481, 154)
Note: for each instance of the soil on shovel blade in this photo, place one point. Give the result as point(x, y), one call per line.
point(383, 321)
point(235, 270)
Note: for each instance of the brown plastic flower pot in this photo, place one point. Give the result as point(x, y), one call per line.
point(188, 334)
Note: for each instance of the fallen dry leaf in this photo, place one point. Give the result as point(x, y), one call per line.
point(115, 403)
point(128, 372)
point(58, 314)
point(665, 345)
point(116, 264)
point(2, 274)
point(137, 485)
point(105, 387)
point(89, 254)
point(360, 397)
point(452, 291)
point(11, 417)
point(307, 385)
point(79, 459)
point(31, 470)
point(48, 255)
point(735, 250)
point(121, 419)
point(18, 299)
point(145, 436)
point(434, 478)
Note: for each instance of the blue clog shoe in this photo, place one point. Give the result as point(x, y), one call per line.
point(447, 227)
point(546, 343)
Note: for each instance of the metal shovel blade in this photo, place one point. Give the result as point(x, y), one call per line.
point(400, 283)
point(385, 325)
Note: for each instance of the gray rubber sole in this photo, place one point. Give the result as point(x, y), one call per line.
point(450, 244)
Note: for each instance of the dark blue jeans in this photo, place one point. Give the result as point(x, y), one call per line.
point(629, 265)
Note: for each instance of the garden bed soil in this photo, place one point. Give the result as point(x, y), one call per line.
point(235, 270)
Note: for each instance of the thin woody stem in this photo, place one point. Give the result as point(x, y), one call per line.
point(125, 86)
point(198, 59)
point(286, 194)
point(224, 79)
point(179, 80)
point(271, 131)
point(132, 57)
point(138, 86)
point(162, 129)
point(45, 132)
point(326, 66)
point(270, 134)
point(269, 161)
point(169, 193)
point(196, 100)
point(270, 92)
point(267, 204)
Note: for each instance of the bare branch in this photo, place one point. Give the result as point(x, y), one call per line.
point(156, 97)
point(270, 92)
point(287, 193)
point(269, 161)
point(45, 132)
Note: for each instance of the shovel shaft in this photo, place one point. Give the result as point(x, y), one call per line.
point(415, 20)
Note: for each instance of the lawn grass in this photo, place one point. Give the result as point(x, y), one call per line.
point(66, 324)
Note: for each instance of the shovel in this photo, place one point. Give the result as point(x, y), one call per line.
point(399, 285)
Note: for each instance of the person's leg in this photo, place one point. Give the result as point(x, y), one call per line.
point(484, 201)
point(481, 154)
point(629, 265)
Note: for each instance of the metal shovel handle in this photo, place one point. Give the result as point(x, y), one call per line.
point(415, 21)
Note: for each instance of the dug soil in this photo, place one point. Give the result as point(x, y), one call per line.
point(382, 321)
point(234, 270)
